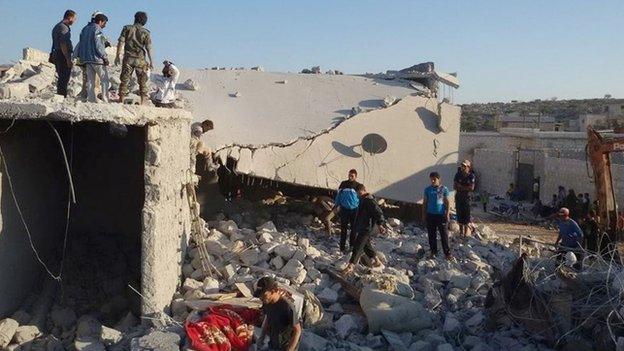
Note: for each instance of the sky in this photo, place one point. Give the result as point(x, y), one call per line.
point(501, 50)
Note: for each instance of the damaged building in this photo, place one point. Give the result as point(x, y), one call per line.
point(92, 197)
point(96, 227)
point(310, 129)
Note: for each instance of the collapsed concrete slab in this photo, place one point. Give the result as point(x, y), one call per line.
point(126, 167)
point(309, 129)
point(394, 149)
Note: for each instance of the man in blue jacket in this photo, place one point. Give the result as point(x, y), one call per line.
point(570, 235)
point(92, 53)
point(347, 200)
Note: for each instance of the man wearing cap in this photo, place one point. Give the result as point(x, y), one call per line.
point(281, 323)
point(464, 184)
point(570, 234)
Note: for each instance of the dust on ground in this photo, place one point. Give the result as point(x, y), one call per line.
point(502, 226)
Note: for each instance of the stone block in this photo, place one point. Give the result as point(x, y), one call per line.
point(285, 251)
point(14, 90)
point(393, 312)
point(294, 271)
point(312, 342)
point(25, 333)
point(8, 327)
point(328, 296)
point(110, 336)
point(345, 325)
point(210, 285)
point(191, 284)
point(34, 55)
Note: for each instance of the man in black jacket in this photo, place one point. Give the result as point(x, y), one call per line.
point(368, 216)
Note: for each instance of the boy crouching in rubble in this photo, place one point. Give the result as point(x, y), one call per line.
point(281, 322)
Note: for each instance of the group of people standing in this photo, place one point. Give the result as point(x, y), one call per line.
point(361, 216)
point(90, 54)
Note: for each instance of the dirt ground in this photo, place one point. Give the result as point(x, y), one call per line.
point(505, 227)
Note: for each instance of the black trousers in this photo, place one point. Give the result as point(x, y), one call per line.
point(462, 207)
point(363, 246)
point(347, 223)
point(437, 223)
point(63, 72)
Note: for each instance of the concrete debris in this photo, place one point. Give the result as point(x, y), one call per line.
point(8, 327)
point(389, 101)
point(189, 84)
point(26, 333)
point(14, 90)
point(312, 342)
point(156, 341)
point(345, 325)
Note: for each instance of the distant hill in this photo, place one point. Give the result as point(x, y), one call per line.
point(477, 116)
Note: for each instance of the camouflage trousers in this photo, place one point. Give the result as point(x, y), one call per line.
point(128, 66)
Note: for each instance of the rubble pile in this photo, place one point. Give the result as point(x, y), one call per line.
point(410, 303)
point(92, 295)
point(28, 79)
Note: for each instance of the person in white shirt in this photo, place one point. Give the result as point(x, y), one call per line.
point(166, 94)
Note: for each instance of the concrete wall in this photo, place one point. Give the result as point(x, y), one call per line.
point(520, 140)
point(415, 147)
point(39, 180)
point(573, 174)
point(166, 227)
point(495, 169)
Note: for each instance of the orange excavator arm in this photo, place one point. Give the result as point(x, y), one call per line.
point(599, 150)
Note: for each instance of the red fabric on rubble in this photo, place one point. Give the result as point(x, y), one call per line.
point(223, 328)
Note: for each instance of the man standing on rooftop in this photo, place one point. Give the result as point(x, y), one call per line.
point(137, 43)
point(92, 54)
point(62, 48)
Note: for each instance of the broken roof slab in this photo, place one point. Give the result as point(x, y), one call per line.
point(394, 150)
point(79, 111)
point(280, 107)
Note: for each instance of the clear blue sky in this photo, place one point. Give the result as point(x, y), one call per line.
point(502, 50)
